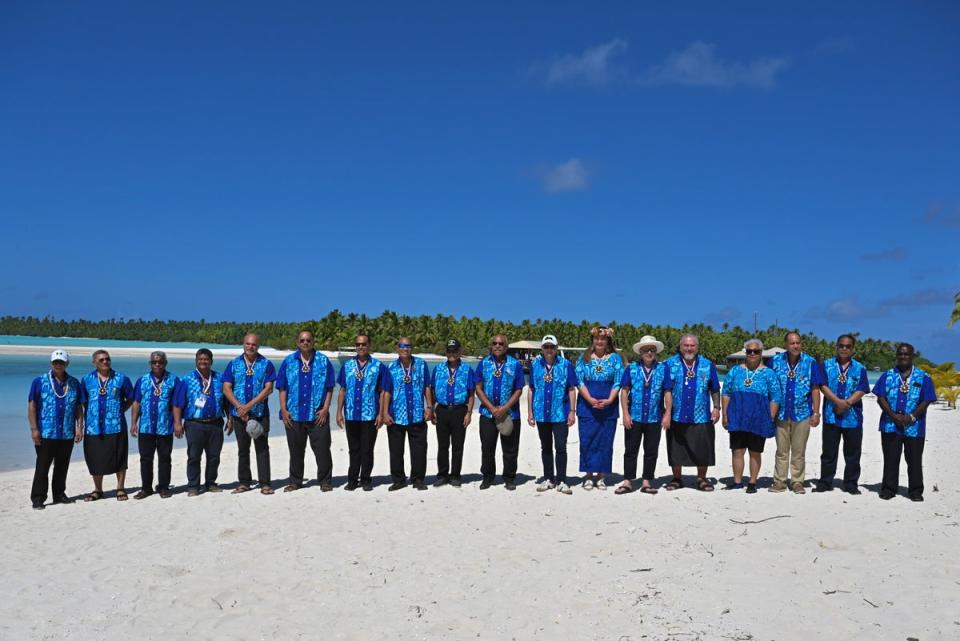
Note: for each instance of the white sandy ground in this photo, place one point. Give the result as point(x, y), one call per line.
point(464, 564)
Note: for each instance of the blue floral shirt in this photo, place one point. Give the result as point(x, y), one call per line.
point(551, 398)
point(843, 383)
point(599, 376)
point(199, 400)
point(453, 386)
point(362, 385)
point(919, 388)
point(105, 403)
point(750, 394)
point(406, 389)
point(306, 390)
point(55, 405)
point(646, 390)
point(156, 404)
point(499, 382)
point(692, 388)
point(797, 398)
point(248, 382)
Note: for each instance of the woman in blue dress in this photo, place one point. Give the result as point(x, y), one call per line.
point(599, 373)
point(751, 398)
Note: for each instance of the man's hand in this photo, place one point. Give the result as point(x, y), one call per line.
point(323, 415)
point(665, 422)
point(285, 416)
point(814, 419)
point(714, 415)
point(627, 422)
point(35, 435)
point(340, 421)
point(178, 430)
point(133, 430)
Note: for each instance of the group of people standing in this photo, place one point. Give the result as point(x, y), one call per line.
point(680, 396)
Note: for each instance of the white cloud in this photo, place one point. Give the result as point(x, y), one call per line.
point(698, 66)
point(592, 67)
point(567, 176)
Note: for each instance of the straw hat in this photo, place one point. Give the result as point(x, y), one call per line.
point(648, 340)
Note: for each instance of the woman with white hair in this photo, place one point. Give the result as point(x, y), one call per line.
point(751, 398)
point(644, 414)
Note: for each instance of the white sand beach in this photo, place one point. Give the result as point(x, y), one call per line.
point(462, 563)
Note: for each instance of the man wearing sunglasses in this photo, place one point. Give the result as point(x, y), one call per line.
point(499, 383)
point(105, 395)
point(305, 382)
point(406, 407)
point(844, 384)
point(800, 379)
point(358, 411)
point(151, 423)
point(247, 384)
point(453, 389)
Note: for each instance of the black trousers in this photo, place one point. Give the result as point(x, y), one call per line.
point(417, 433)
point(554, 435)
point(298, 435)
point(450, 432)
point(148, 444)
point(56, 452)
point(912, 449)
point(852, 443)
point(649, 435)
point(361, 437)
point(489, 434)
point(261, 446)
point(203, 439)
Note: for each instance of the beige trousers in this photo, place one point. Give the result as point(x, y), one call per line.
point(791, 450)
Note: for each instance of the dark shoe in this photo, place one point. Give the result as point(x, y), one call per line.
point(917, 499)
point(485, 484)
point(441, 481)
point(853, 490)
point(351, 486)
point(886, 496)
point(456, 482)
point(419, 485)
point(165, 494)
point(194, 492)
point(325, 487)
point(142, 494)
point(63, 499)
point(368, 487)
point(213, 487)
point(39, 506)
point(822, 487)
point(735, 486)
point(393, 488)
point(751, 488)
point(509, 486)
point(292, 487)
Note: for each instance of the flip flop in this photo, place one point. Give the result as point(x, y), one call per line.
point(241, 489)
point(704, 485)
point(648, 490)
point(674, 484)
point(96, 495)
point(623, 489)
point(266, 490)
point(121, 495)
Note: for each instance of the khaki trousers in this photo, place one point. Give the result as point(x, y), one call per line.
point(791, 450)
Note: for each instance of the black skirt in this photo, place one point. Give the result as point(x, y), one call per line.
point(690, 444)
point(105, 453)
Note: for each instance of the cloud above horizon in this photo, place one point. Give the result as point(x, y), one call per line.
point(699, 66)
point(894, 254)
point(851, 308)
point(591, 67)
point(571, 175)
point(938, 213)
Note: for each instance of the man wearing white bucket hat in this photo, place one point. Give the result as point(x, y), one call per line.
point(644, 414)
point(56, 423)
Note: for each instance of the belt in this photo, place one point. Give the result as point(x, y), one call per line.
point(204, 420)
point(439, 405)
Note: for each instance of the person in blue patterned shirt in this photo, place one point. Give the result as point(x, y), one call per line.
point(599, 373)
point(406, 407)
point(695, 402)
point(903, 393)
point(751, 399)
point(454, 388)
point(550, 403)
point(305, 382)
point(105, 395)
point(844, 384)
point(247, 384)
point(198, 410)
point(151, 423)
point(56, 423)
point(358, 411)
point(499, 383)
point(800, 379)
point(644, 413)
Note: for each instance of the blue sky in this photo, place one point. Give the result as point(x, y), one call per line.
point(517, 160)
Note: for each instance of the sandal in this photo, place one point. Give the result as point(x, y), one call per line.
point(241, 489)
point(704, 485)
point(623, 489)
point(646, 489)
point(674, 484)
point(121, 495)
point(96, 495)
point(142, 494)
point(266, 490)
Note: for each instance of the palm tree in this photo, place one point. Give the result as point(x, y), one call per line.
point(955, 315)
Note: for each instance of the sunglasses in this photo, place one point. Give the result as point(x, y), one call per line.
point(648, 350)
point(157, 362)
point(498, 343)
point(754, 351)
point(305, 340)
point(404, 345)
point(104, 359)
point(361, 344)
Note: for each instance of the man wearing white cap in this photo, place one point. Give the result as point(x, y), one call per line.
point(56, 423)
point(550, 403)
point(645, 412)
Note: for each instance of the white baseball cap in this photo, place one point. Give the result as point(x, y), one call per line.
point(549, 339)
point(60, 355)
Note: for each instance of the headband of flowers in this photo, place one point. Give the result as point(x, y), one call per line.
point(601, 331)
